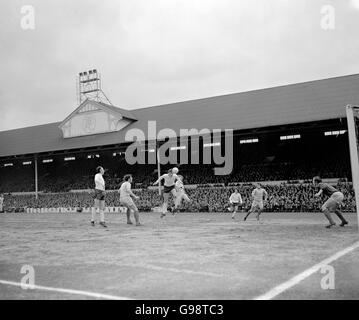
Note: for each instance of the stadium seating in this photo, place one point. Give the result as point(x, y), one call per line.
point(282, 198)
point(80, 177)
point(56, 180)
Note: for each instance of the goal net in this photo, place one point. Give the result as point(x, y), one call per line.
point(353, 134)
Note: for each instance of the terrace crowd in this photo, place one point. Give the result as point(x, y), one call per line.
point(281, 198)
point(77, 177)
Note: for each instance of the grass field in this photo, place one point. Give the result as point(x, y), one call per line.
point(189, 256)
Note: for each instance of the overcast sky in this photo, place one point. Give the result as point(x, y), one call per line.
point(152, 52)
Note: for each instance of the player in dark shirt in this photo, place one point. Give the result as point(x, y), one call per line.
point(335, 198)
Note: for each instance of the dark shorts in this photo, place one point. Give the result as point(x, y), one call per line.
point(99, 195)
point(235, 204)
point(167, 189)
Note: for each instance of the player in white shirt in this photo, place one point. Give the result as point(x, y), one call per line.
point(259, 195)
point(168, 187)
point(126, 196)
point(180, 194)
point(1, 202)
point(99, 197)
point(235, 200)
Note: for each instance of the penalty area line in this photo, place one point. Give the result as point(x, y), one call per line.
point(169, 269)
point(61, 290)
point(305, 274)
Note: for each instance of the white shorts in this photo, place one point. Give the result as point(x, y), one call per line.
point(128, 203)
point(257, 205)
point(334, 201)
point(181, 196)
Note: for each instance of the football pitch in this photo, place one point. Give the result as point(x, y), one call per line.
point(188, 256)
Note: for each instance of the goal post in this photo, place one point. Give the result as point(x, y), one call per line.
point(353, 134)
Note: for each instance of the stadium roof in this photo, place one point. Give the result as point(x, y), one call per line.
point(290, 104)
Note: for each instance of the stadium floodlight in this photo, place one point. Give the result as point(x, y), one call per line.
point(255, 140)
point(290, 137)
point(69, 158)
point(178, 148)
point(88, 87)
point(47, 160)
point(334, 133)
point(207, 145)
point(25, 163)
point(8, 164)
point(353, 134)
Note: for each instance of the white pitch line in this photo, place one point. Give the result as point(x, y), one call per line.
point(61, 290)
point(153, 267)
point(305, 274)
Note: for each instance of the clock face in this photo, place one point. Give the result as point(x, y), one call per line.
point(89, 124)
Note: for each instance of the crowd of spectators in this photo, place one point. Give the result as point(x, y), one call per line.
point(56, 180)
point(75, 177)
point(281, 198)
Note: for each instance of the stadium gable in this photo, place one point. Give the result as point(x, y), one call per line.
point(291, 104)
point(93, 117)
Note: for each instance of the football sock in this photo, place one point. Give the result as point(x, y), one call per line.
point(329, 217)
point(102, 216)
point(340, 216)
point(93, 214)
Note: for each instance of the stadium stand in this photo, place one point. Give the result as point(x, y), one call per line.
point(282, 198)
point(265, 118)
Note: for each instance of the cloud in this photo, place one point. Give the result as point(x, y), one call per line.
point(161, 51)
point(355, 4)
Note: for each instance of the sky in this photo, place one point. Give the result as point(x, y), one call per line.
point(153, 52)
